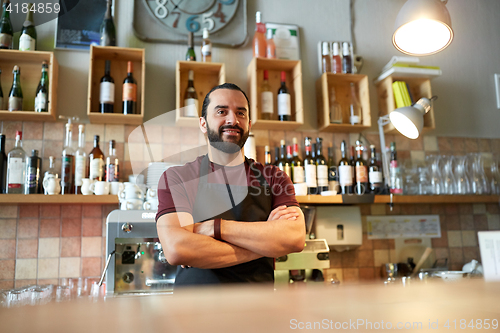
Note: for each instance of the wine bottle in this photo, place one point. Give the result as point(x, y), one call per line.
point(374, 173)
point(326, 66)
point(3, 164)
point(42, 91)
point(283, 163)
point(395, 172)
point(345, 171)
point(355, 108)
point(284, 101)
point(27, 41)
point(206, 47)
point(107, 90)
point(353, 166)
point(16, 93)
point(51, 171)
point(346, 59)
point(333, 175)
point(259, 38)
point(267, 157)
point(33, 168)
point(361, 185)
point(80, 160)
point(190, 54)
point(266, 98)
point(336, 58)
point(6, 31)
point(191, 98)
point(108, 31)
point(276, 155)
point(96, 161)
point(112, 164)
point(68, 162)
point(129, 92)
point(16, 167)
point(297, 164)
point(270, 45)
point(321, 166)
point(1, 92)
point(310, 168)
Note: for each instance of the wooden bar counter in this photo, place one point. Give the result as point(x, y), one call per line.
point(347, 308)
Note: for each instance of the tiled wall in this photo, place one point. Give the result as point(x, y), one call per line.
point(48, 242)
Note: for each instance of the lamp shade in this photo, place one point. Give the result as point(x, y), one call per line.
point(409, 120)
point(423, 27)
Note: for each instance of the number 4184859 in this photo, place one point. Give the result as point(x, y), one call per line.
point(477, 324)
point(35, 8)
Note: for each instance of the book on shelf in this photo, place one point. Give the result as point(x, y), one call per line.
point(401, 94)
point(408, 67)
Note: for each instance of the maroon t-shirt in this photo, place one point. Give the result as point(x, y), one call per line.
point(178, 186)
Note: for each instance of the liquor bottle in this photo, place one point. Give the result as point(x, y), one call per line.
point(96, 161)
point(395, 173)
point(333, 175)
point(112, 164)
point(16, 167)
point(336, 58)
point(6, 31)
point(32, 183)
point(270, 45)
point(276, 155)
point(51, 171)
point(374, 173)
point(68, 162)
point(190, 98)
point(283, 163)
point(3, 164)
point(297, 164)
point(16, 93)
point(259, 39)
point(356, 116)
point(108, 31)
point(326, 66)
point(284, 101)
point(1, 92)
point(206, 47)
point(289, 158)
point(190, 54)
point(345, 171)
point(361, 185)
point(267, 157)
point(346, 59)
point(321, 166)
point(27, 41)
point(80, 160)
point(335, 108)
point(42, 91)
point(107, 90)
point(310, 168)
point(266, 98)
point(129, 92)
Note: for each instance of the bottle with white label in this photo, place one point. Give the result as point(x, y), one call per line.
point(112, 164)
point(310, 168)
point(16, 167)
point(284, 100)
point(345, 171)
point(96, 162)
point(297, 164)
point(80, 160)
point(107, 90)
point(355, 107)
point(206, 47)
point(266, 99)
point(27, 41)
point(321, 167)
point(374, 173)
point(190, 98)
point(42, 91)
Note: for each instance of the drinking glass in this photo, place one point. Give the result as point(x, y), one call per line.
point(461, 176)
point(479, 182)
point(449, 180)
point(63, 293)
point(424, 183)
point(495, 176)
point(436, 178)
point(410, 178)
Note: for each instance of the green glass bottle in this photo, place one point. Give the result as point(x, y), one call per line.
point(42, 91)
point(6, 31)
point(1, 92)
point(16, 93)
point(108, 31)
point(27, 41)
point(190, 54)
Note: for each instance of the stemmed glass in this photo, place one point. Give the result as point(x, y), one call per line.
point(436, 178)
point(479, 181)
point(461, 176)
point(449, 180)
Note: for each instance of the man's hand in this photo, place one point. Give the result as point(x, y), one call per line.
point(283, 213)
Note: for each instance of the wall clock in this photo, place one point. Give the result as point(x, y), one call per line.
point(169, 21)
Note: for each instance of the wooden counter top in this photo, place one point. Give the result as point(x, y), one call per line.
point(254, 309)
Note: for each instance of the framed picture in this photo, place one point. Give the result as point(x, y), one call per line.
point(286, 39)
point(79, 27)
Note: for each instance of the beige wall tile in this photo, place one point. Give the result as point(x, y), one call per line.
point(337, 271)
point(378, 209)
point(69, 268)
point(48, 268)
point(114, 132)
point(392, 255)
point(153, 152)
point(26, 269)
point(8, 211)
point(417, 156)
point(95, 129)
point(478, 209)
point(430, 143)
point(91, 246)
point(381, 257)
point(493, 221)
point(8, 228)
point(469, 238)
point(136, 150)
point(48, 248)
point(454, 238)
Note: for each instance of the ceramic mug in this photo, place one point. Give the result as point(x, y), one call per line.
point(152, 193)
point(100, 187)
point(130, 192)
point(116, 187)
point(52, 185)
point(131, 204)
point(136, 179)
point(86, 186)
point(151, 204)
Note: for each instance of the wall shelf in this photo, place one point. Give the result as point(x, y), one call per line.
point(30, 199)
point(404, 199)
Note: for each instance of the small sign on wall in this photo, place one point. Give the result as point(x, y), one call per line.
point(406, 226)
point(489, 245)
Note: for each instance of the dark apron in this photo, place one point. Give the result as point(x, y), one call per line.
point(230, 202)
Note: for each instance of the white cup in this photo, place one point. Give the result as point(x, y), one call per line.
point(151, 204)
point(100, 187)
point(136, 179)
point(131, 204)
point(86, 186)
point(300, 188)
point(116, 187)
point(152, 193)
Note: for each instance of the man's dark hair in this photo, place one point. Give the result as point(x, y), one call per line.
point(230, 86)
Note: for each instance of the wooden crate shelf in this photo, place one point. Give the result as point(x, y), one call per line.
point(31, 199)
point(404, 199)
point(255, 73)
point(419, 87)
point(342, 85)
point(119, 56)
point(206, 76)
point(30, 63)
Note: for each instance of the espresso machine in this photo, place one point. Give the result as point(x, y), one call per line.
point(135, 264)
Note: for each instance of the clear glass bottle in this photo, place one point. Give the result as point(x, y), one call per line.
point(112, 164)
point(335, 108)
point(191, 106)
point(346, 59)
point(68, 162)
point(356, 116)
point(326, 63)
point(206, 47)
point(16, 167)
point(80, 160)
point(267, 156)
point(259, 38)
point(336, 58)
point(51, 171)
point(395, 172)
point(270, 46)
point(266, 99)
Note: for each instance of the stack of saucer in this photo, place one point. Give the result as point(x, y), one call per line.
point(155, 170)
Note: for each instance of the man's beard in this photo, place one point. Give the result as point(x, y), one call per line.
point(216, 141)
